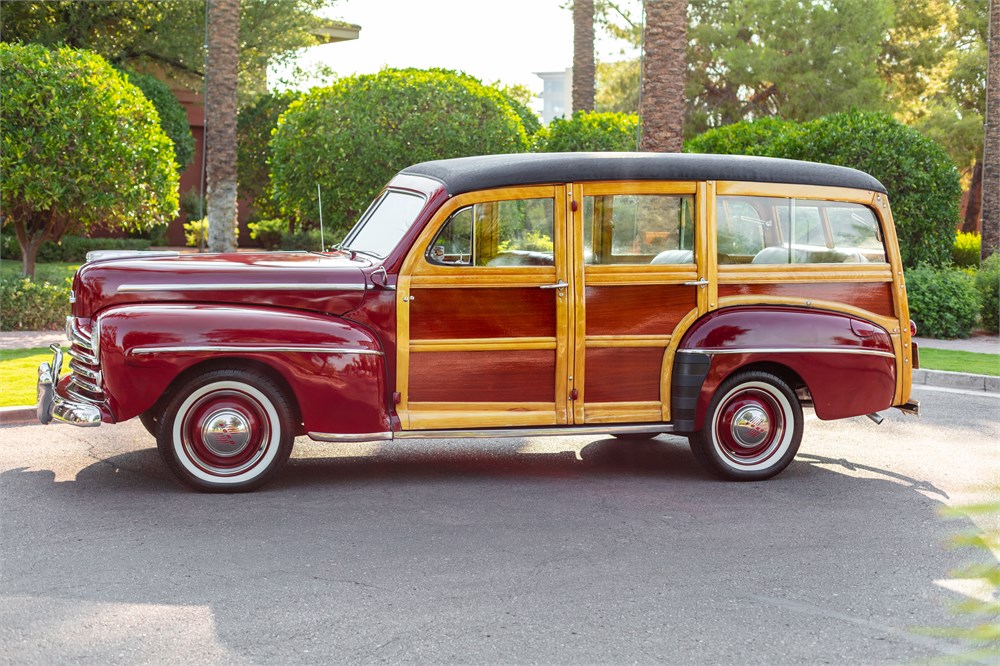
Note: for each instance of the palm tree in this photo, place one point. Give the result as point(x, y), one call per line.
point(664, 43)
point(583, 55)
point(991, 147)
point(221, 71)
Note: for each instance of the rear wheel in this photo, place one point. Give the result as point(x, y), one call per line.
point(226, 431)
point(752, 429)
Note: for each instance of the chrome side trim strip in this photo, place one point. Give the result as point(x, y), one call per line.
point(270, 286)
point(359, 437)
point(651, 428)
point(255, 349)
point(789, 350)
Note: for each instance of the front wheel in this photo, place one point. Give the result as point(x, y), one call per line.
point(752, 429)
point(228, 430)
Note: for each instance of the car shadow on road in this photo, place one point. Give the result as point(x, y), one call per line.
point(514, 550)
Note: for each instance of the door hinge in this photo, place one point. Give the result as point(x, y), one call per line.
point(397, 397)
point(574, 394)
point(573, 206)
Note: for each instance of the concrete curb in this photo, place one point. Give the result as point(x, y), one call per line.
point(18, 416)
point(956, 380)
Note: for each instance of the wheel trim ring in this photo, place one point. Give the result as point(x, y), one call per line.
point(270, 445)
point(761, 396)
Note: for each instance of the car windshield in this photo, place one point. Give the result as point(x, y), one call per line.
point(384, 224)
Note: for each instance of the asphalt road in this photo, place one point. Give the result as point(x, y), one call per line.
point(550, 550)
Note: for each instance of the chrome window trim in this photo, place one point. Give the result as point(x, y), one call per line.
point(252, 349)
point(788, 350)
point(275, 286)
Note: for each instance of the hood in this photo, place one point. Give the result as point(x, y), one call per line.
point(332, 283)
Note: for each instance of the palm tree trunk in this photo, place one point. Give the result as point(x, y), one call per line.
point(991, 148)
point(583, 55)
point(221, 71)
point(664, 44)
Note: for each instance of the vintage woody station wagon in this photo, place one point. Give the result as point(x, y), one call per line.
point(630, 294)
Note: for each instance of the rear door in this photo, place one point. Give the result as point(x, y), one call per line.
point(640, 277)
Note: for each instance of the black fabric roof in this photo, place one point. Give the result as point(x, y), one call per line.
point(466, 174)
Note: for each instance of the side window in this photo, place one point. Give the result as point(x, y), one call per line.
point(497, 233)
point(638, 229)
point(771, 230)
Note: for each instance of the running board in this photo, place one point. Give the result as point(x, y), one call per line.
point(652, 429)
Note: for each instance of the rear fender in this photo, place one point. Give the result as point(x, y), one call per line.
point(847, 363)
point(334, 368)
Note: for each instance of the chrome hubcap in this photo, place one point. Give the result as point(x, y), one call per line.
point(226, 433)
point(750, 427)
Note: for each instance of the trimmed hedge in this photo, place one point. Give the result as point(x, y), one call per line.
point(923, 183)
point(70, 248)
point(943, 302)
point(352, 137)
point(26, 305)
point(590, 131)
point(988, 286)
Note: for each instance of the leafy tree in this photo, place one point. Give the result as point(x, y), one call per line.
point(520, 97)
point(353, 136)
point(81, 147)
point(617, 87)
point(166, 34)
point(773, 57)
point(173, 118)
point(593, 131)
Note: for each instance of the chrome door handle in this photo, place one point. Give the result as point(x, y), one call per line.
point(698, 283)
point(557, 285)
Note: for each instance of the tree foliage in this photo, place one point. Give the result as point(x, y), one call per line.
point(353, 136)
point(167, 34)
point(173, 118)
point(922, 182)
point(585, 132)
point(254, 126)
point(81, 147)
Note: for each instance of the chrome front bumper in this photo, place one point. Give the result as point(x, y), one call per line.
point(52, 407)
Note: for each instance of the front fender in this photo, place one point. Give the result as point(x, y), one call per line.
point(334, 368)
point(847, 363)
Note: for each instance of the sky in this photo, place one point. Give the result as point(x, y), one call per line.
point(505, 40)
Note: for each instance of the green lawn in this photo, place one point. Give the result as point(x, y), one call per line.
point(52, 273)
point(960, 361)
point(19, 369)
point(19, 375)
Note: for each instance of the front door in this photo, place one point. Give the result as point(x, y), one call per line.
point(483, 314)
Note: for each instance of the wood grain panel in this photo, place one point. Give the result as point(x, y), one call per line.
point(483, 376)
point(874, 297)
point(623, 375)
point(637, 309)
point(482, 313)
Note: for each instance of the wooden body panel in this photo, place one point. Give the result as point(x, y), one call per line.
point(875, 297)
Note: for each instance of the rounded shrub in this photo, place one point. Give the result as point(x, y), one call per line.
point(988, 286)
point(26, 305)
point(173, 117)
point(254, 126)
point(943, 301)
point(747, 137)
point(589, 131)
point(353, 136)
point(922, 181)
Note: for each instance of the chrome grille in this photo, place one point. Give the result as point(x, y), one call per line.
point(85, 365)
